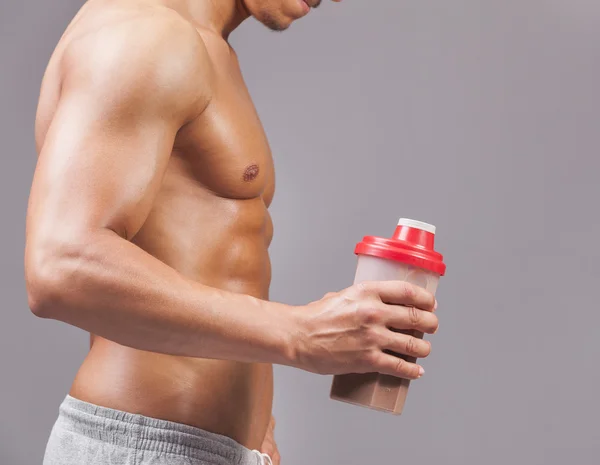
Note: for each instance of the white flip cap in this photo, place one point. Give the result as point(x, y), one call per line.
point(417, 224)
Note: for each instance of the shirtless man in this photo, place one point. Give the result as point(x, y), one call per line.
point(148, 227)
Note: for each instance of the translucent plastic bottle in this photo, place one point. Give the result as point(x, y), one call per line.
point(408, 256)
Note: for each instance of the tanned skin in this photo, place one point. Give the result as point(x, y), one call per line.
point(148, 226)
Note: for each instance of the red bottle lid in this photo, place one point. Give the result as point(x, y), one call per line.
point(412, 243)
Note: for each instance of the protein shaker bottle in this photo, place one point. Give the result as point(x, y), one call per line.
point(408, 256)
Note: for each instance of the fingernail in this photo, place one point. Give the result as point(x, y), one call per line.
point(435, 306)
point(436, 329)
point(421, 371)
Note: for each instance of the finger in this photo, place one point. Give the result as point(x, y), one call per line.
point(406, 344)
point(402, 317)
point(396, 366)
point(401, 293)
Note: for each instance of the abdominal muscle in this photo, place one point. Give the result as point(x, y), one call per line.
point(225, 397)
point(229, 398)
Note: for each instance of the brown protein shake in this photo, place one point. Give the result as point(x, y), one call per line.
point(408, 256)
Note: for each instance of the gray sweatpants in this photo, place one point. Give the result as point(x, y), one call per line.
point(85, 434)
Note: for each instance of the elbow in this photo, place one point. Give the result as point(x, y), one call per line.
point(38, 304)
point(39, 300)
point(50, 274)
point(44, 284)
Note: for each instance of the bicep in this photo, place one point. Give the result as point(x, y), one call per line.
point(108, 145)
point(100, 168)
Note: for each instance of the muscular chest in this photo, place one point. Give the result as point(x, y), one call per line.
point(225, 148)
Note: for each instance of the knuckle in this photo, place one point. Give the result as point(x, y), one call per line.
point(369, 315)
point(414, 316)
point(348, 301)
point(371, 338)
point(411, 346)
point(371, 357)
point(363, 288)
point(400, 365)
point(409, 291)
point(368, 359)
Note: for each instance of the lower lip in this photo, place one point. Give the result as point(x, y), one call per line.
point(305, 6)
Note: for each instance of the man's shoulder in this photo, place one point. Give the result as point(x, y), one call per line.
point(151, 48)
point(150, 28)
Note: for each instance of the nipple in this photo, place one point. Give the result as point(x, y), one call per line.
point(251, 172)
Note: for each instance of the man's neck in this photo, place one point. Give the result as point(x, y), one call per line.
point(218, 16)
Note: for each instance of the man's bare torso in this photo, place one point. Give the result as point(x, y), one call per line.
point(209, 222)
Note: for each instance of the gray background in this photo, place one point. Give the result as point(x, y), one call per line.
point(480, 117)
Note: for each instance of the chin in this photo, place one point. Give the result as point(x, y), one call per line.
point(275, 23)
point(275, 17)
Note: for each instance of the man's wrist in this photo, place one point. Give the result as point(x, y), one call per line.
point(284, 333)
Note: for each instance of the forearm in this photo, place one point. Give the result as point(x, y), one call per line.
point(112, 288)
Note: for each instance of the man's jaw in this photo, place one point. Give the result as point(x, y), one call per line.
point(272, 22)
